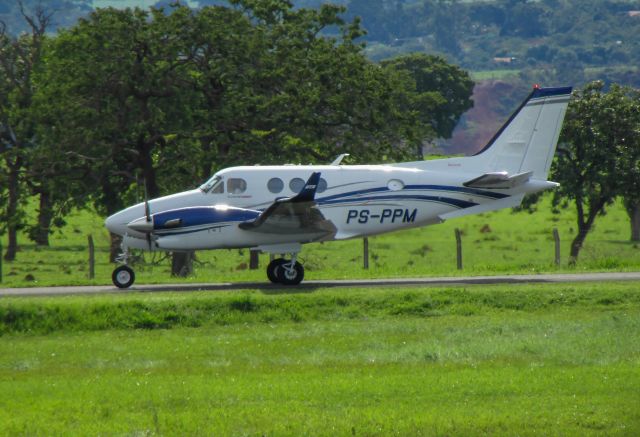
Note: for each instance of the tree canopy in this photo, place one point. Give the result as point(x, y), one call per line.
point(162, 97)
point(592, 164)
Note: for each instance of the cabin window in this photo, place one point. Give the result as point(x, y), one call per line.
point(275, 185)
point(213, 185)
point(236, 186)
point(322, 185)
point(296, 185)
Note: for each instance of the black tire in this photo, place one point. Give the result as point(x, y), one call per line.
point(273, 268)
point(123, 277)
point(291, 277)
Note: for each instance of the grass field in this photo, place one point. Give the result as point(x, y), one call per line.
point(497, 360)
point(500, 242)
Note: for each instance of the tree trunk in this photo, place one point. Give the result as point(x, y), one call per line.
point(12, 210)
point(182, 263)
point(633, 209)
point(576, 245)
point(45, 215)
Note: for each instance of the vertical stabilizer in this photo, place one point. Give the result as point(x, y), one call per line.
point(527, 141)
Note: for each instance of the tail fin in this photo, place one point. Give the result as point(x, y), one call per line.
point(527, 141)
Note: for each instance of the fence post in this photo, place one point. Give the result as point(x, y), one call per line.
point(458, 249)
point(92, 258)
point(366, 252)
point(0, 261)
point(556, 239)
point(254, 260)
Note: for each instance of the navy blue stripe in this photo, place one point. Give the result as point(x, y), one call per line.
point(483, 193)
point(450, 188)
point(447, 200)
point(353, 193)
point(201, 216)
point(159, 234)
point(550, 92)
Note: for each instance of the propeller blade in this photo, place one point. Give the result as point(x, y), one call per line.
point(147, 210)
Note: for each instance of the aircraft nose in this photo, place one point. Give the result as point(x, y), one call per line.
point(115, 224)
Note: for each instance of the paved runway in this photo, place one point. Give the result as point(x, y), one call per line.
point(311, 285)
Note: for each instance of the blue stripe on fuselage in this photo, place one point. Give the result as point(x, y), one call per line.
point(456, 189)
point(447, 200)
point(198, 216)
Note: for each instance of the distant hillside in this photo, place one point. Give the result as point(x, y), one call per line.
point(494, 101)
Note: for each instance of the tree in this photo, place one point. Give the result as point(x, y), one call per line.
point(19, 59)
point(596, 127)
point(628, 169)
point(440, 92)
point(113, 98)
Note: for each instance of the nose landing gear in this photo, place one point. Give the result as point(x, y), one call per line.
point(123, 276)
point(286, 272)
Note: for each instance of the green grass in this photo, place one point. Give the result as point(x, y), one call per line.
point(502, 242)
point(501, 360)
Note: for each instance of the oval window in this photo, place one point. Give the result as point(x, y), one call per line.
point(236, 186)
point(395, 185)
point(275, 185)
point(296, 185)
point(322, 185)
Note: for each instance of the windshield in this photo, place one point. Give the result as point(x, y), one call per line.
point(214, 185)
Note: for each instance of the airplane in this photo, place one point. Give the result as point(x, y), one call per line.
point(278, 208)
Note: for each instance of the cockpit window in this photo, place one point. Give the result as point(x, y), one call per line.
point(213, 185)
point(236, 186)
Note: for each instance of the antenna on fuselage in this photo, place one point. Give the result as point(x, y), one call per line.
point(339, 159)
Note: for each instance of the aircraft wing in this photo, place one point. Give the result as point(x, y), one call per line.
point(294, 215)
point(499, 180)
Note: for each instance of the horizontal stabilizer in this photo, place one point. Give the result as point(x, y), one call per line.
point(499, 180)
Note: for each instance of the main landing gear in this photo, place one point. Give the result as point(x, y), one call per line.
point(286, 272)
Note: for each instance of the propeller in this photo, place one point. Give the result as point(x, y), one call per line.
point(147, 213)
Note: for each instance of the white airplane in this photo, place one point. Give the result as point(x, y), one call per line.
point(276, 209)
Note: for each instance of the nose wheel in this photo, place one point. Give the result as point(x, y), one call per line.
point(123, 277)
point(285, 272)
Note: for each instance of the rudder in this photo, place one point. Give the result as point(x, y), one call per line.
point(527, 141)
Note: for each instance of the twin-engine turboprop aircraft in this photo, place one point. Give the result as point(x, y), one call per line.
point(276, 209)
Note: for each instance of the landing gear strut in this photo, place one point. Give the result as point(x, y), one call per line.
point(286, 272)
point(123, 276)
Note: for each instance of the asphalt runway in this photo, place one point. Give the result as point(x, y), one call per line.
point(312, 285)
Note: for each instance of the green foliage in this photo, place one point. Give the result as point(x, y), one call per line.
point(442, 91)
point(593, 162)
